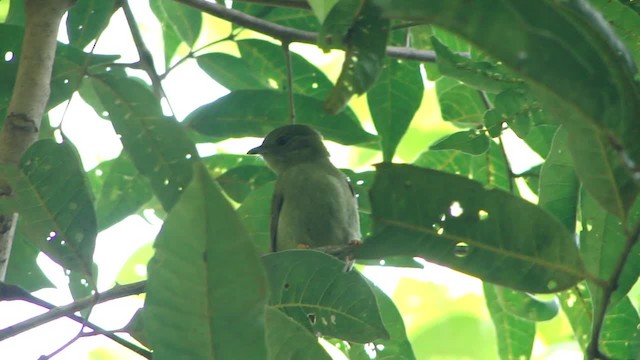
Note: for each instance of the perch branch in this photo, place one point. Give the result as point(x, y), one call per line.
point(287, 34)
point(64, 311)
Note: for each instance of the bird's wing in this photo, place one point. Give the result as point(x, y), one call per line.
point(276, 205)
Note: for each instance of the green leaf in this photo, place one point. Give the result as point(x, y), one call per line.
point(206, 290)
point(455, 222)
point(158, 146)
point(23, 270)
point(474, 142)
point(364, 57)
point(451, 161)
point(576, 67)
point(266, 61)
point(257, 112)
point(313, 289)
point(624, 21)
point(459, 103)
point(55, 204)
point(526, 306)
point(321, 8)
point(231, 72)
point(218, 164)
point(601, 170)
point(393, 101)
point(559, 185)
point(515, 335)
point(480, 75)
point(602, 241)
point(397, 346)
point(255, 212)
point(87, 19)
point(539, 139)
point(518, 109)
point(242, 180)
point(286, 339)
point(121, 190)
point(491, 168)
point(184, 21)
point(621, 328)
point(337, 24)
point(301, 19)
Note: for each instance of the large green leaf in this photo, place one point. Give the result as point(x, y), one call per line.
point(451, 161)
point(157, 145)
point(87, 19)
point(459, 103)
point(455, 222)
point(516, 108)
point(393, 101)
point(301, 19)
point(179, 22)
point(515, 335)
point(576, 67)
point(55, 204)
point(559, 186)
point(242, 180)
point(624, 20)
point(23, 270)
point(255, 212)
point(288, 340)
point(313, 289)
point(257, 112)
point(206, 290)
point(473, 142)
point(525, 306)
point(232, 72)
point(491, 168)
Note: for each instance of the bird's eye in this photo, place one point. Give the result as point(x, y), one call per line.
point(282, 140)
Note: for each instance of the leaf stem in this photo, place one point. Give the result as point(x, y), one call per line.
point(287, 59)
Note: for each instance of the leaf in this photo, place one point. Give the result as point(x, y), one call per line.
point(518, 109)
point(231, 72)
point(23, 270)
point(364, 57)
point(624, 21)
point(592, 80)
point(455, 222)
point(459, 103)
point(286, 339)
point(218, 164)
point(242, 180)
point(539, 139)
point(337, 24)
point(301, 19)
point(601, 170)
point(559, 185)
point(267, 61)
point(55, 204)
point(313, 289)
point(515, 335)
point(620, 330)
point(491, 168)
point(398, 346)
point(393, 101)
point(121, 190)
point(87, 19)
point(206, 290)
point(157, 145)
point(451, 161)
point(255, 212)
point(257, 112)
point(481, 75)
point(184, 21)
point(321, 8)
point(474, 142)
point(525, 306)
point(602, 244)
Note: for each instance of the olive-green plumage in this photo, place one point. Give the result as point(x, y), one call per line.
point(313, 203)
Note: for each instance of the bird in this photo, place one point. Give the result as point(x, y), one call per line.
point(313, 203)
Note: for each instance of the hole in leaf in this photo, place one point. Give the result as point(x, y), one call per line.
point(483, 215)
point(455, 209)
point(286, 286)
point(552, 284)
point(461, 249)
point(8, 56)
point(312, 318)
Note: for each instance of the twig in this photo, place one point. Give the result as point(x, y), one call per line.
point(593, 350)
point(192, 53)
point(287, 34)
point(117, 292)
point(287, 60)
point(10, 292)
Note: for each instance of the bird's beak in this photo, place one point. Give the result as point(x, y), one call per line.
point(256, 150)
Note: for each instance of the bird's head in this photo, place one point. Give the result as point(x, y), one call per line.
point(289, 145)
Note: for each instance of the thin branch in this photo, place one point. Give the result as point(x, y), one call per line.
point(117, 292)
point(192, 54)
point(10, 292)
point(296, 4)
point(593, 350)
point(287, 34)
point(287, 60)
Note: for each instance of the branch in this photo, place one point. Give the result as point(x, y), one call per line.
point(29, 99)
point(117, 292)
point(287, 34)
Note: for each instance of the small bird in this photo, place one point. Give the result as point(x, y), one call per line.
point(313, 203)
